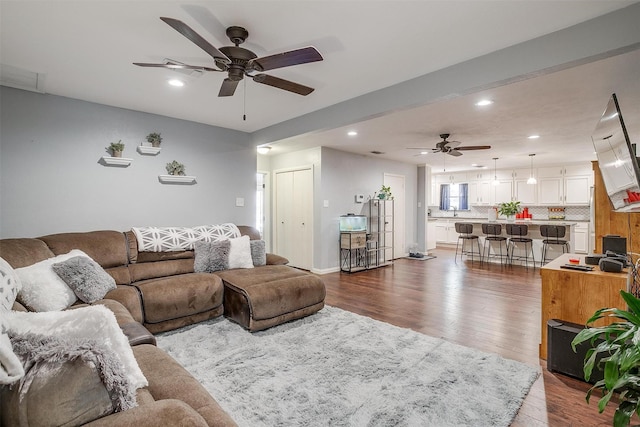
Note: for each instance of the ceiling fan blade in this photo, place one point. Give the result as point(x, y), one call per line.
point(228, 87)
point(283, 84)
point(454, 153)
point(286, 59)
point(452, 144)
point(188, 32)
point(176, 66)
point(473, 147)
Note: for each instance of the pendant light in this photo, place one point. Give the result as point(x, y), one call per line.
point(532, 179)
point(495, 171)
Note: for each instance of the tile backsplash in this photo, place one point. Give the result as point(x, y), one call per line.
point(574, 213)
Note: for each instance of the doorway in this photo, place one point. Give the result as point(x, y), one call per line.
point(293, 216)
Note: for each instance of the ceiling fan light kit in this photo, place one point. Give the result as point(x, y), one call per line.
point(239, 62)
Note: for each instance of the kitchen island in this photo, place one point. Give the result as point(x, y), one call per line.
point(444, 229)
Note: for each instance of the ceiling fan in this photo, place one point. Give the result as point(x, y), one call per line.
point(451, 147)
point(238, 62)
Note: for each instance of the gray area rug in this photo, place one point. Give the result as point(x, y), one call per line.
point(336, 368)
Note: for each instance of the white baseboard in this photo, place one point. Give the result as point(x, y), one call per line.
point(325, 270)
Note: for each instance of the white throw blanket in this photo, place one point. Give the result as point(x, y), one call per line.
point(10, 367)
point(167, 239)
point(94, 322)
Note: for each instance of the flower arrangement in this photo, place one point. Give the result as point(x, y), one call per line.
point(175, 168)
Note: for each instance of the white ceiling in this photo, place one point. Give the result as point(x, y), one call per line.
point(85, 50)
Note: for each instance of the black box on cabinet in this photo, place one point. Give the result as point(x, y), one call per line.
point(561, 357)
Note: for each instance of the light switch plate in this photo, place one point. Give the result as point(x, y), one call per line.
point(359, 198)
point(326, 204)
point(239, 201)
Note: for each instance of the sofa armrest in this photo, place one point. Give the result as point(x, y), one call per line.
point(273, 259)
point(129, 297)
point(168, 412)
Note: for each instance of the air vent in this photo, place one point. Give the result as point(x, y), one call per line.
point(376, 152)
point(18, 78)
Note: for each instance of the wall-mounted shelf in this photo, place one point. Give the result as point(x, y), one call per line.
point(115, 161)
point(148, 150)
point(177, 179)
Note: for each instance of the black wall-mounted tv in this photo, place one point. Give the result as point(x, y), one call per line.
point(617, 159)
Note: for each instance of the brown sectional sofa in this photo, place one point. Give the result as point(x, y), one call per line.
point(158, 292)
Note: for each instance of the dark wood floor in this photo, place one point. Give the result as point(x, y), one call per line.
point(489, 307)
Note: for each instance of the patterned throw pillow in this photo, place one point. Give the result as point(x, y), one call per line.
point(167, 239)
point(9, 285)
point(85, 277)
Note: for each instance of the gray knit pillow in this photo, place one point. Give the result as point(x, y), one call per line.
point(85, 277)
point(211, 256)
point(258, 252)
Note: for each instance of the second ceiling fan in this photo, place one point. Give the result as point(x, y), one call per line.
point(239, 62)
point(452, 147)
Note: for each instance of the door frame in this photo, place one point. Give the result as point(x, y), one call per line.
point(274, 207)
point(398, 252)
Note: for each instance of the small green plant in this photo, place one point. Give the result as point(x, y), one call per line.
point(115, 147)
point(509, 208)
point(175, 168)
point(620, 348)
point(385, 193)
point(154, 138)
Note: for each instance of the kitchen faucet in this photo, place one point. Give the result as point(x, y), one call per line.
point(454, 211)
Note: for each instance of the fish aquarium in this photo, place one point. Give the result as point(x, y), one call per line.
point(351, 222)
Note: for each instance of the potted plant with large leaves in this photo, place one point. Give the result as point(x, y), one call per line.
point(509, 209)
point(620, 352)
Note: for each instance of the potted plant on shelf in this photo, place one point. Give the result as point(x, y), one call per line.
point(509, 209)
point(619, 347)
point(385, 193)
point(155, 139)
point(116, 148)
point(175, 168)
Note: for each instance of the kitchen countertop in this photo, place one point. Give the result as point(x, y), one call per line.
point(504, 221)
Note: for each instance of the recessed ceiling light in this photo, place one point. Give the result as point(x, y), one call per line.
point(474, 164)
point(424, 152)
point(176, 82)
point(484, 103)
point(533, 136)
point(352, 133)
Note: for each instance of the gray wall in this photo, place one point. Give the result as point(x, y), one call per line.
point(51, 181)
point(338, 177)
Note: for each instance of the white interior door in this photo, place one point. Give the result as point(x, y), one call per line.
point(293, 216)
point(397, 184)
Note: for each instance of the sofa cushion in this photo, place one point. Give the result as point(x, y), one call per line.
point(272, 290)
point(42, 289)
point(24, 252)
point(211, 256)
point(85, 277)
point(168, 298)
point(9, 286)
point(106, 247)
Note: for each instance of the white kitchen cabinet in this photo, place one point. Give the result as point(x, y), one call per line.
point(431, 235)
point(451, 178)
point(581, 238)
point(564, 185)
point(525, 193)
point(501, 192)
point(446, 231)
point(479, 193)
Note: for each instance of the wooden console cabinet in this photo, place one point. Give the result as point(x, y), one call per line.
point(573, 296)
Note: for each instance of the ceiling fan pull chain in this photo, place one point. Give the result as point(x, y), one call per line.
point(244, 106)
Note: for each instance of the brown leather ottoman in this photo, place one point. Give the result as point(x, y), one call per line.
point(262, 297)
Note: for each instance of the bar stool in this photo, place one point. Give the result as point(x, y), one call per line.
point(517, 233)
point(552, 235)
point(493, 234)
point(465, 230)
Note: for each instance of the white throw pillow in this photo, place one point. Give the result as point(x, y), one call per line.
point(9, 285)
point(42, 289)
point(240, 253)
